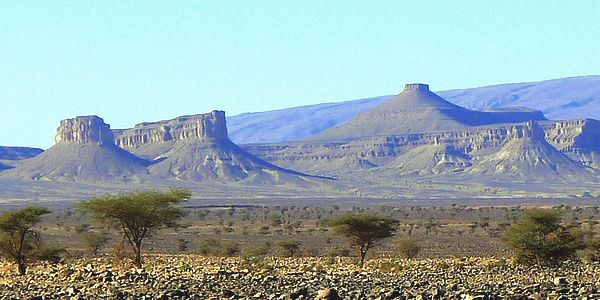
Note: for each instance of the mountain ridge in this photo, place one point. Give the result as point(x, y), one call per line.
point(418, 110)
point(275, 126)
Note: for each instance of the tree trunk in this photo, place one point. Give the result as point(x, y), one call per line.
point(21, 268)
point(137, 260)
point(363, 255)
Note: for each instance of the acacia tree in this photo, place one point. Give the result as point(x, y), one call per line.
point(364, 231)
point(18, 240)
point(540, 238)
point(138, 214)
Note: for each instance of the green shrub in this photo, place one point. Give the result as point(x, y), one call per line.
point(209, 247)
point(591, 251)
point(94, 241)
point(231, 248)
point(541, 239)
point(288, 247)
point(51, 253)
point(257, 250)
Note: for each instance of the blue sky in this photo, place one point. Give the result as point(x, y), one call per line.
point(134, 61)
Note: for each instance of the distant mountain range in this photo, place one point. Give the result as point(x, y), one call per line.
point(413, 143)
point(17, 153)
point(558, 99)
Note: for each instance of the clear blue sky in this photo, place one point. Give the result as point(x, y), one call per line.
point(134, 61)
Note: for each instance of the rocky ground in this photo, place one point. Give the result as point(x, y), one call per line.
point(194, 277)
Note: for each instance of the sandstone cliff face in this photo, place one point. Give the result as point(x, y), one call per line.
point(202, 127)
point(84, 130)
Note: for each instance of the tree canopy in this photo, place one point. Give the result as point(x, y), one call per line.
point(364, 231)
point(138, 214)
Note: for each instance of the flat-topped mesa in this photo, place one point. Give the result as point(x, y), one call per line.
point(202, 127)
point(416, 86)
point(84, 130)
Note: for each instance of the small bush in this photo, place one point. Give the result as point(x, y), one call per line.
point(334, 251)
point(389, 267)
point(289, 247)
point(182, 245)
point(209, 247)
point(93, 242)
point(407, 248)
point(50, 253)
point(231, 248)
point(591, 252)
point(185, 267)
point(257, 250)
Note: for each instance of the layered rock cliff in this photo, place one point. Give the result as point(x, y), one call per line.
point(84, 130)
point(527, 155)
point(202, 127)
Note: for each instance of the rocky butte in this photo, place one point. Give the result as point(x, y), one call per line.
point(84, 130)
point(84, 150)
point(194, 148)
point(197, 148)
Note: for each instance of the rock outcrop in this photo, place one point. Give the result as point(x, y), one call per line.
point(200, 161)
point(194, 148)
point(84, 151)
point(427, 160)
point(559, 99)
point(332, 158)
point(84, 130)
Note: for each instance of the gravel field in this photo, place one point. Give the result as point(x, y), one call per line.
point(196, 277)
